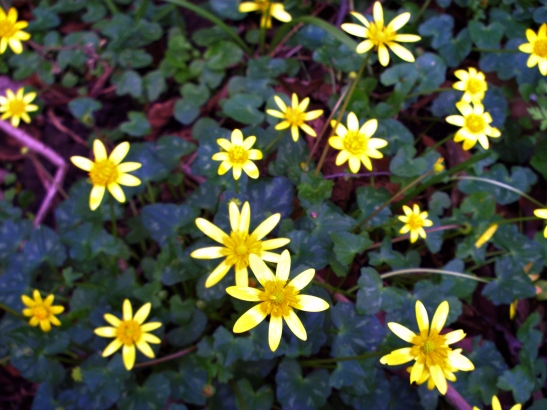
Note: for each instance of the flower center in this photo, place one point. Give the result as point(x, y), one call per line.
point(380, 35)
point(278, 298)
point(540, 47)
point(7, 28)
point(294, 116)
point(415, 222)
point(474, 86)
point(429, 346)
point(263, 5)
point(355, 143)
point(40, 312)
point(17, 107)
point(238, 155)
point(475, 123)
point(103, 173)
point(128, 332)
point(239, 247)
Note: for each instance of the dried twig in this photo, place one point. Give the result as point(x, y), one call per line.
point(56, 121)
point(36, 146)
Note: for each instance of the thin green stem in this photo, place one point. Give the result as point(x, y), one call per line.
point(263, 29)
point(236, 185)
point(150, 193)
point(113, 217)
point(111, 6)
point(166, 358)
point(519, 219)
point(332, 288)
point(438, 144)
point(365, 356)
point(497, 50)
point(438, 271)
point(428, 92)
point(11, 311)
point(239, 397)
point(141, 10)
point(424, 8)
point(274, 141)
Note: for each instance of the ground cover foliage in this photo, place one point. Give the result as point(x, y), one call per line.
point(174, 77)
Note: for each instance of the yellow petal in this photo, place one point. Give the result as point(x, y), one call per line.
point(244, 218)
point(34, 321)
point(269, 257)
point(397, 357)
point(128, 354)
point(212, 252)
point(28, 312)
point(142, 313)
point(55, 310)
point(421, 317)
point(37, 297)
point(438, 377)
point(302, 280)
point(150, 338)
point(353, 122)
point(17, 48)
point(250, 319)
point(312, 115)
point(383, 55)
point(404, 333)
point(116, 191)
point(237, 171)
point(112, 347)
point(541, 213)
point(361, 18)
point(460, 362)
point(45, 325)
point(250, 169)
point(113, 320)
point(454, 336)
point(399, 21)
point(148, 327)
point(54, 321)
point(295, 325)
point(275, 332)
point(145, 348)
point(274, 243)
point(308, 130)
point(118, 154)
point(248, 6)
point(82, 163)
point(284, 266)
point(224, 144)
point(128, 180)
point(242, 276)
point(99, 151)
point(266, 227)
point(96, 196)
point(278, 11)
point(336, 143)
point(496, 405)
point(105, 331)
point(28, 301)
point(439, 318)
point(417, 370)
point(237, 137)
point(249, 142)
point(378, 14)
point(233, 214)
point(368, 129)
point(275, 113)
point(261, 271)
point(294, 133)
point(364, 47)
point(309, 303)
point(212, 231)
point(244, 293)
point(354, 164)
point(401, 52)
point(128, 167)
point(127, 310)
point(354, 29)
point(216, 275)
point(281, 104)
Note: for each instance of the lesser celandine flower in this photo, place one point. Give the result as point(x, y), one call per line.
point(238, 155)
point(268, 9)
point(277, 299)
point(542, 213)
point(239, 245)
point(430, 351)
point(17, 106)
point(41, 312)
point(496, 405)
point(486, 236)
point(295, 116)
point(475, 125)
point(381, 36)
point(537, 48)
point(108, 172)
point(130, 331)
point(472, 83)
point(11, 31)
point(426, 376)
point(355, 144)
point(414, 220)
point(438, 166)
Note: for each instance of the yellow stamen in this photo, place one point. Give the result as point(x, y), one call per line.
point(40, 312)
point(129, 332)
point(355, 143)
point(475, 123)
point(540, 47)
point(103, 173)
point(238, 155)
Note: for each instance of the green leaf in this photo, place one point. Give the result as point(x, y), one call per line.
point(134, 58)
point(403, 76)
point(228, 348)
point(152, 395)
point(431, 71)
point(405, 165)
point(187, 384)
point(196, 95)
point(522, 250)
point(105, 378)
point(481, 206)
point(129, 83)
point(530, 337)
point(222, 55)
point(88, 241)
point(262, 399)
point(164, 220)
point(347, 245)
point(185, 111)
point(83, 109)
point(44, 245)
point(440, 28)
point(307, 250)
point(266, 67)
point(486, 36)
point(14, 282)
point(394, 259)
point(189, 332)
point(313, 190)
point(438, 202)
point(511, 283)
point(137, 126)
point(296, 392)
point(369, 296)
point(244, 108)
point(369, 200)
point(12, 234)
point(482, 383)
point(518, 380)
point(154, 84)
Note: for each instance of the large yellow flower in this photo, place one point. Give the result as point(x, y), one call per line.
point(238, 155)
point(295, 116)
point(355, 144)
point(475, 125)
point(278, 299)
point(542, 213)
point(537, 48)
point(239, 245)
point(108, 172)
point(130, 332)
point(379, 35)
point(472, 83)
point(17, 106)
point(430, 351)
point(41, 312)
point(268, 9)
point(414, 220)
point(496, 405)
point(11, 31)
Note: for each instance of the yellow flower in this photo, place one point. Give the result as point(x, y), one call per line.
point(496, 405)
point(537, 48)
point(238, 155)
point(108, 172)
point(542, 213)
point(278, 298)
point(438, 166)
point(268, 9)
point(41, 311)
point(379, 35)
point(130, 332)
point(11, 31)
point(295, 116)
point(414, 221)
point(486, 236)
point(17, 106)
point(430, 350)
point(355, 144)
point(239, 245)
point(473, 84)
point(448, 372)
point(475, 125)
point(513, 309)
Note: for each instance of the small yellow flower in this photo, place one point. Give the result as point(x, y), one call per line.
point(496, 405)
point(11, 31)
point(355, 144)
point(430, 350)
point(108, 172)
point(473, 84)
point(414, 221)
point(486, 236)
point(41, 311)
point(379, 35)
point(238, 154)
point(475, 125)
point(448, 373)
point(537, 48)
point(130, 332)
point(239, 245)
point(438, 166)
point(268, 9)
point(513, 309)
point(17, 106)
point(295, 116)
point(278, 299)
point(542, 213)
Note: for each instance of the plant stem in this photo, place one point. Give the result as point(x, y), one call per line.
point(150, 193)
point(11, 311)
point(342, 359)
point(239, 397)
point(332, 288)
point(406, 236)
point(427, 270)
point(424, 8)
point(111, 6)
point(428, 92)
point(263, 28)
point(113, 217)
point(342, 111)
point(274, 141)
point(236, 185)
point(496, 50)
point(438, 144)
point(167, 358)
point(141, 11)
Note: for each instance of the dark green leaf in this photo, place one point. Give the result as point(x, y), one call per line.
point(137, 126)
